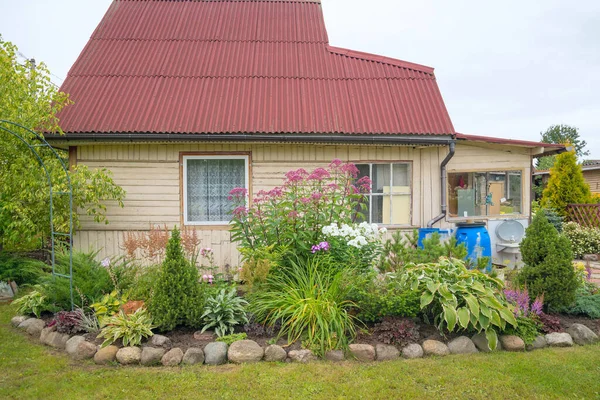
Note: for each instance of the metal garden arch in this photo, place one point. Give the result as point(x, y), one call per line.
point(9, 127)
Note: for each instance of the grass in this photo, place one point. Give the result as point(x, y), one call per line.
point(29, 370)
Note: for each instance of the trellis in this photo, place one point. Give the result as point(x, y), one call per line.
point(587, 215)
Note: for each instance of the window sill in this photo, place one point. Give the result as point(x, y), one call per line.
point(487, 217)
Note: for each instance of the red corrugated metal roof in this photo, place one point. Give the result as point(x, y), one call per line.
point(241, 66)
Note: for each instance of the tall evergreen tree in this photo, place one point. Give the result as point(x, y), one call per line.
point(566, 184)
point(177, 299)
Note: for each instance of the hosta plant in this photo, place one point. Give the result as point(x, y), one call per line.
point(460, 299)
point(109, 305)
point(33, 303)
point(224, 311)
point(130, 328)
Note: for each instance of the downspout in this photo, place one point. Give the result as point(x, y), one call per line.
point(445, 162)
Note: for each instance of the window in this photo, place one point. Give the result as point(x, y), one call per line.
point(207, 181)
point(484, 193)
point(390, 200)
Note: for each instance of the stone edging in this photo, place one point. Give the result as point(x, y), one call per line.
point(246, 351)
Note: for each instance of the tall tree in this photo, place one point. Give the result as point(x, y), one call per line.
point(566, 184)
point(29, 98)
point(561, 134)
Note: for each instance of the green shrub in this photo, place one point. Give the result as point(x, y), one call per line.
point(22, 270)
point(402, 250)
point(460, 299)
point(33, 303)
point(309, 303)
point(223, 311)
point(583, 240)
point(548, 269)
point(587, 302)
point(378, 296)
point(130, 328)
point(177, 298)
point(554, 218)
point(528, 328)
point(234, 337)
point(145, 282)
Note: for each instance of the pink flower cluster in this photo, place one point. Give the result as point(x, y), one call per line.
point(205, 252)
point(237, 193)
point(324, 246)
point(208, 278)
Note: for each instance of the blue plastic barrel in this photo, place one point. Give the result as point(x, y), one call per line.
point(477, 239)
point(424, 234)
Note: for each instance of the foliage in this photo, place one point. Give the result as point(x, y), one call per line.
point(258, 263)
point(308, 302)
point(28, 97)
point(566, 185)
point(583, 240)
point(89, 322)
point(67, 321)
point(549, 323)
point(548, 269)
point(234, 337)
point(554, 218)
point(396, 331)
point(291, 217)
point(587, 302)
point(523, 306)
point(528, 328)
point(254, 328)
point(459, 298)
point(130, 328)
point(33, 303)
point(22, 270)
point(151, 245)
point(565, 134)
point(378, 296)
point(108, 305)
point(403, 249)
point(145, 282)
point(132, 306)
point(177, 298)
point(224, 311)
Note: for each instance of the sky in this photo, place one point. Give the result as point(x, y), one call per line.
point(506, 69)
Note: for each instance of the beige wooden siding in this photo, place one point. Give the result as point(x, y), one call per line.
point(593, 179)
point(150, 175)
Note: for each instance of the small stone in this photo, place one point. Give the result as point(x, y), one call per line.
point(435, 348)
point(302, 356)
point(207, 336)
point(215, 353)
point(46, 333)
point(386, 352)
point(590, 257)
point(16, 321)
point(462, 345)
point(129, 355)
point(480, 341)
point(33, 326)
point(538, 343)
point(172, 357)
point(362, 352)
point(160, 341)
point(512, 343)
point(335, 355)
point(275, 353)
point(581, 334)
point(85, 350)
point(152, 355)
point(71, 345)
point(245, 351)
point(57, 340)
point(193, 355)
point(106, 355)
point(413, 350)
point(558, 339)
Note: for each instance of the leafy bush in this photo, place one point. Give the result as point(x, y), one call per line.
point(177, 298)
point(234, 337)
point(33, 303)
point(145, 282)
point(307, 302)
point(378, 296)
point(583, 240)
point(254, 328)
point(130, 328)
point(548, 269)
point(528, 328)
point(459, 298)
point(402, 250)
point(554, 218)
point(587, 302)
point(67, 321)
point(22, 270)
point(396, 331)
point(549, 323)
point(224, 311)
point(258, 263)
point(109, 305)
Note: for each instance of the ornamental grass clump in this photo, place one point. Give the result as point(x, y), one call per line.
point(309, 303)
point(457, 298)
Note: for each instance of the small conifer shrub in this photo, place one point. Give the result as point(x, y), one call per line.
point(178, 296)
point(548, 269)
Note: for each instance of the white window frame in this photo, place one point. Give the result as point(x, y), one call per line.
point(370, 195)
point(185, 158)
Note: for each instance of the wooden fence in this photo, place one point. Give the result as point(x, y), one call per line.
point(584, 214)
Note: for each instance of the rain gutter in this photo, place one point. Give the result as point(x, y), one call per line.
point(452, 147)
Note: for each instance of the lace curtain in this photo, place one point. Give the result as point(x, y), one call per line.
point(209, 182)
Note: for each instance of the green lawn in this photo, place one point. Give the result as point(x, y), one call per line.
point(31, 371)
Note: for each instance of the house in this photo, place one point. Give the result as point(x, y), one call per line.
point(185, 100)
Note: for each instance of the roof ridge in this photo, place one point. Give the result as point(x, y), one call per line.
point(381, 59)
point(207, 40)
point(310, 78)
point(227, 1)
